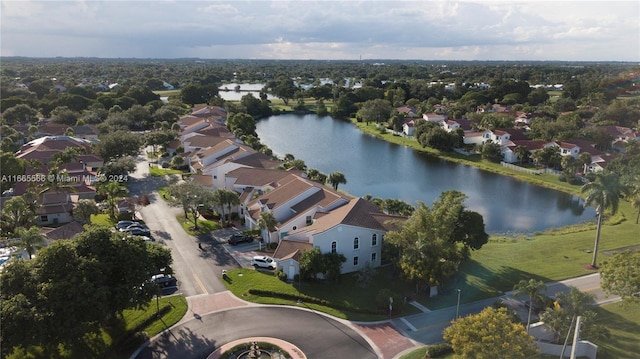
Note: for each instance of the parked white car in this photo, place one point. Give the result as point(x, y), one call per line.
point(264, 262)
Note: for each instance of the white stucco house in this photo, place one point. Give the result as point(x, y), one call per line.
point(355, 230)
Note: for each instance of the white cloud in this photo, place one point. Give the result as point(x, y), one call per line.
point(324, 29)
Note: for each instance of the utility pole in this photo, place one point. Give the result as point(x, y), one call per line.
point(575, 337)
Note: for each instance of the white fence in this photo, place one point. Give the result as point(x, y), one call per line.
point(521, 169)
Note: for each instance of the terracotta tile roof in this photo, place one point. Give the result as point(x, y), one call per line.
point(531, 145)
point(203, 141)
point(566, 145)
point(257, 177)
point(209, 111)
point(284, 193)
point(216, 130)
point(258, 160)
point(188, 120)
point(66, 231)
point(323, 198)
point(291, 249)
point(203, 180)
point(358, 213)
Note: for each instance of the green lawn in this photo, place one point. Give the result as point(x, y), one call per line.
point(346, 293)
point(123, 335)
point(204, 225)
point(159, 171)
point(554, 255)
point(102, 219)
point(138, 325)
point(624, 324)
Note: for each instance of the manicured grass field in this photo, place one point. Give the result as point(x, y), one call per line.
point(345, 293)
point(204, 226)
point(102, 219)
point(122, 339)
point(159, 171)
point(624, 323)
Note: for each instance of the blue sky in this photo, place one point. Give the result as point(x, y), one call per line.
point(427, 30)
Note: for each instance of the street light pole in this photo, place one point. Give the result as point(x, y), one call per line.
point(458, 305)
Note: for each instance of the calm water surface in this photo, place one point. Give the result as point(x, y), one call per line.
point(372, 166)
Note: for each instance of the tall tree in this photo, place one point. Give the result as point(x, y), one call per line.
point(377, 111)
point(191, 196)
point(84, 209)
point(105, 274)
point(336, 178)
point(31, 239)
point(113, 191)
point(619, 275)
point(531, 288)
point(489, 334)
point(603, 193)
point(15, 214)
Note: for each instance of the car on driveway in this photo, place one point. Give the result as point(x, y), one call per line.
point(264, 262)
point(124, 224)
point(165, 280)
point(239, 238)
point(137, 231)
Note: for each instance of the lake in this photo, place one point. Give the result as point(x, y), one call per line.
point(381, 169)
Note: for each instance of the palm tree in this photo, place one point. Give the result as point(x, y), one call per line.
point(532, 288)
point(603, 193)
point(113, 190)
point(15, 214)
point(267, 221)
point(30, 239)
point(336, 178)
point(230, 198)
point(522, 152)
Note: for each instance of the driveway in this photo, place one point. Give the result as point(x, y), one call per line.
point(243, 253)
point(197, 270)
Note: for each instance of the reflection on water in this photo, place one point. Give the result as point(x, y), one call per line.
point(372, 166)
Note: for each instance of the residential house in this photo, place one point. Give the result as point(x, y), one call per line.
point(211, 160)
point(294, 204)
point(43, 149)
point(66, 231)
point(407, 111)
point(288, 255)
point(355, 230)
point(434, 117)
point(213, 114)
point(252, 182)
point(55, 208)
point(409, 126)
point(452, 125)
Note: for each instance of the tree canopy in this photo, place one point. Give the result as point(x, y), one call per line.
point(433, 241)
point(74, 286)
point(489, 334)
point(621, 275)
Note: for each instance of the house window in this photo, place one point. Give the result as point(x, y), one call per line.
point(356, 243)
point(355, 261)
point(373, 257)
point(374, 240)
point(44, 219)
point(215, 177)
point(309, 221)
point(333, 247)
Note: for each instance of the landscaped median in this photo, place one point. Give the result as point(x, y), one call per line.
point(346, 300)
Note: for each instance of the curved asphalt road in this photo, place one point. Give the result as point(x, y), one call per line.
point(317, 335)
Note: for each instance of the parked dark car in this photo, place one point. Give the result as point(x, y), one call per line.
point(137, 231)
point(239, 238)
point(165, 280)
point(124, 224)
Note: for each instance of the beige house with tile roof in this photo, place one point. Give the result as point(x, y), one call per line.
point(355, 230)
point(294, 204)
